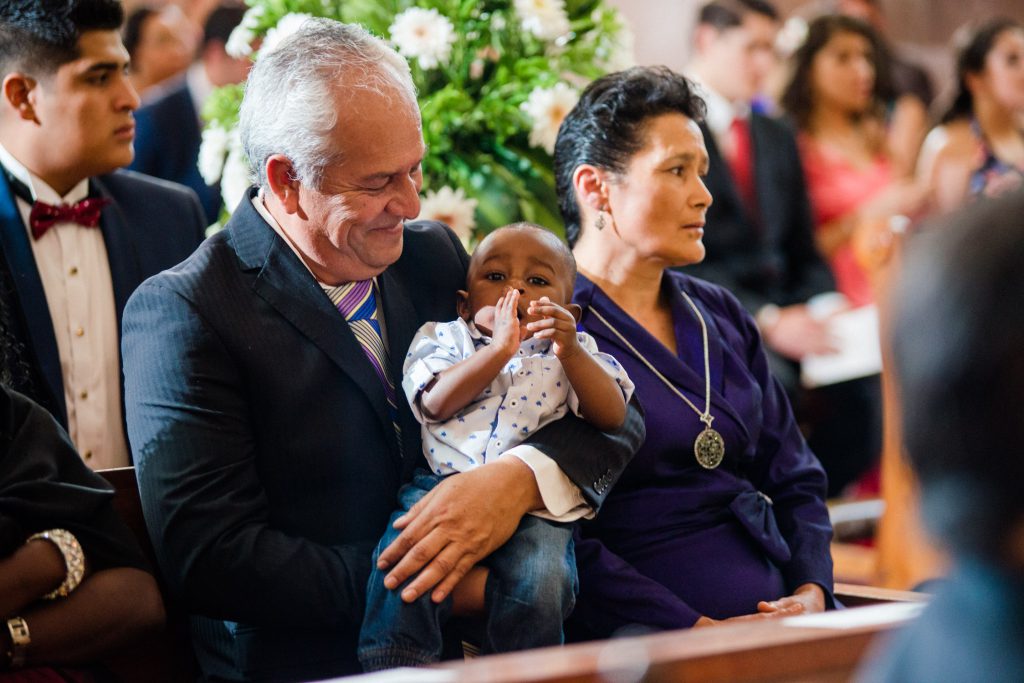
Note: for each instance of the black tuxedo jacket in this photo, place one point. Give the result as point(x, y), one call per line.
point(764, 254)
point(266, 457)
point(149, 225)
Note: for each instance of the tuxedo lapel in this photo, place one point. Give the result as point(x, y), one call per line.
point(400, 319)
point(31, 297)
point(764, 189)
point(720, 177)
point(118, 237)
point(285, 283)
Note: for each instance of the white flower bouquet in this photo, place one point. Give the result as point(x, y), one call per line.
point(495, 79)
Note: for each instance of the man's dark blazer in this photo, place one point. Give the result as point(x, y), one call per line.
point(167, 140)
point(149, 225)
point(769, 257)
point(266, 456)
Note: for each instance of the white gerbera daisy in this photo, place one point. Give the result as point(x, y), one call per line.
point(286, 25)
point(423, 34)
point(212, 151)
point(547, 107)
point(240, 41)
point(452, 208)
point(236, 178)
point(546, 19)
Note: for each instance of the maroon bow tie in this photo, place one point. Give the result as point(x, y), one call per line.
point(86, 213)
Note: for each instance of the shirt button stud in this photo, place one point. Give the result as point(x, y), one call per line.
point(84, 395)
point(79, 331)
point(73, 271)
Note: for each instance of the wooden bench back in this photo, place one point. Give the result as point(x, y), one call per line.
point(166, 657)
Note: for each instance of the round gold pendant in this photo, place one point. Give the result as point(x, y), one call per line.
point(709, 447)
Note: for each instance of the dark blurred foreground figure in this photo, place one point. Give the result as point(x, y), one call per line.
point(73, 584)
point(958, 335)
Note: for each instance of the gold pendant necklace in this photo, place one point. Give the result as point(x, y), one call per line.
point(709, 446)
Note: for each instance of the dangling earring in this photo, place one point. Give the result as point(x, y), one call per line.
point(599, 223)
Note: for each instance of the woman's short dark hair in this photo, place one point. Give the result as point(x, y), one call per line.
point(957, 338)
point(798, 96)
point(41, 35)
point(970, 59)
point(606, 126)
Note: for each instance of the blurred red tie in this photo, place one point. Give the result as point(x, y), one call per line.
point(741, 162)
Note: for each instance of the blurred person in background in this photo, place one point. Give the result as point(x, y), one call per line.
point(168, 129)
point(978, 149)
point(912, 92)
point(836, 97)
point(160, 42)
point(761, 246)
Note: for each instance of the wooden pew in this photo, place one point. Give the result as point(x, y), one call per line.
point(167, 657)
point(794, 649)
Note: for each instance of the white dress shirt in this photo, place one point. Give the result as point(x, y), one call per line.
point(562, 499)
point(73, 266)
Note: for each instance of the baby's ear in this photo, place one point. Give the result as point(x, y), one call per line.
point(576, 311)
point(462, 304)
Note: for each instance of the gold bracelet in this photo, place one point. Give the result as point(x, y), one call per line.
point(74, 560)
point(20, 640)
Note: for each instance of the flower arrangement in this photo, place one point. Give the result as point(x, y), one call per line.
point(495, 79)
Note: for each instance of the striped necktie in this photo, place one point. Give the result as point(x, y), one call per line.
point(358, 303)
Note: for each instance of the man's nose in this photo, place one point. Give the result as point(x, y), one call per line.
point(406, 200)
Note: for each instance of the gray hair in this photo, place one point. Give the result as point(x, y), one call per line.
point(290, 105)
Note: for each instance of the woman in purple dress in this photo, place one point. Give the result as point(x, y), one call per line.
point(721, 514)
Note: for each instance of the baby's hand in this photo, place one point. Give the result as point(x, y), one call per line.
point(507, 334)
point(558, 325)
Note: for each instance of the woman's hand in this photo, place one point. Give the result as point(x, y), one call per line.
point(806, 599)
point(558, 325)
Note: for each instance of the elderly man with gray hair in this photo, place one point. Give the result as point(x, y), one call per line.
point(260, 383)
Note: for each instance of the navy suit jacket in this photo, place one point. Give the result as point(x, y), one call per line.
point(167, 139)
point(266, 457)
point(769, 257)
point(149, 225)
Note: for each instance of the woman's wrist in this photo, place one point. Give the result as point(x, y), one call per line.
point(46, 563)
point(72, 556)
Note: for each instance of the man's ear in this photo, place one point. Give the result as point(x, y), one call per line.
point(462, 304)
point(576, 310)
point(282, 182)
point(17, 95)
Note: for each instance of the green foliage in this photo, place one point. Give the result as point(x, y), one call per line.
point(476, 132)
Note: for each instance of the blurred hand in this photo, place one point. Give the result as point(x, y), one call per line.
point(795, 334)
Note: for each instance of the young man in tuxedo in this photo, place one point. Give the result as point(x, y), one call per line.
point(76, 237)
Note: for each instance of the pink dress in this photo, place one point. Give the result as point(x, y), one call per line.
point(836, 187)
